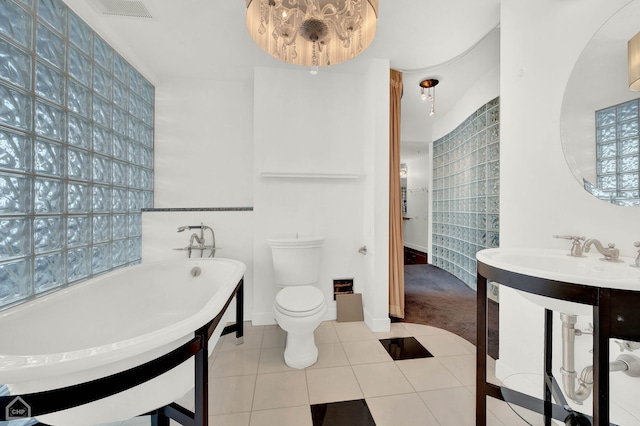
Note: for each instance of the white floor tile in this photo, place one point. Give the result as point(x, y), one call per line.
point(509, 417)
point(279, 390)
point(462, 366)
point(397, 330)
point(406, 409)
point(423, 330)
point(330, 355)
point(443, 345)
point(326, 333)
point(381, 379)
point(353, 331)
point(274, 337)
point(290, 416)
point(231, 394)
point(236, 419)
point(366, 352)
point(252, 340)
point(272, 361)
point(235, 363)
point(427, 374)
point(455, 406)
point(332, 385)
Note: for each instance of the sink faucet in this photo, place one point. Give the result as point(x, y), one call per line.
point(610, 253)
point(576, 247)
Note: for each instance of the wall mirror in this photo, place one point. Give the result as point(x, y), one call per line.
point(599, 117)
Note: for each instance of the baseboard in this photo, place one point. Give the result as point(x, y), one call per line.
point(417, 247)
point(376, 324)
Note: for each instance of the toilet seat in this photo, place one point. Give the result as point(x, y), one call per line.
point(299, 301)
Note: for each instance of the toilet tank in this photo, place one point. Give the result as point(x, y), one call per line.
point(296, 261)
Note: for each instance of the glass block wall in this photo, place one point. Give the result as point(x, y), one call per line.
point(617, 154)
point(466, 189)
point(76, 151)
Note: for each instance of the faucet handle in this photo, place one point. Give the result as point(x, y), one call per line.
point(574, 238)
point(636, 244)
point(576, 248)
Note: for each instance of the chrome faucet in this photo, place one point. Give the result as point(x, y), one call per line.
point(610, 253)
point(576, 247)
point(197, 242)
point(637, 262)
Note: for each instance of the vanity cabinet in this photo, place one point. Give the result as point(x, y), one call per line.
point(615, 315)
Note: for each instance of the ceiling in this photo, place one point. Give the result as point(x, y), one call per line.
point(204, 39)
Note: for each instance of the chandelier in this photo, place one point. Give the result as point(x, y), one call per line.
point(312, 33)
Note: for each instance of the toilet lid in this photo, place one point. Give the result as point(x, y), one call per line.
point(303, 298)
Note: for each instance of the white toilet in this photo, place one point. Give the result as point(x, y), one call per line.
point(300, 306)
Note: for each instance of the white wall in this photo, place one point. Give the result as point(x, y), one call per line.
point(416, 229)
point(539, 196)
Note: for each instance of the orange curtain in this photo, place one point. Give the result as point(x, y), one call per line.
point(396, 245)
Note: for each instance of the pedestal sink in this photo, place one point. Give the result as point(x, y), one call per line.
point(559, 266)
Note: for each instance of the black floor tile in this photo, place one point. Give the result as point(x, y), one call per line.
point(344, 413)
point(405, 348)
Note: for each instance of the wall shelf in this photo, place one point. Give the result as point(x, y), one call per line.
point(301, 175)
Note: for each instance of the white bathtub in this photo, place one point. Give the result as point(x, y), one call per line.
point(110, 324)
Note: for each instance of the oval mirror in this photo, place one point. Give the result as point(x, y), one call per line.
point(599, 116)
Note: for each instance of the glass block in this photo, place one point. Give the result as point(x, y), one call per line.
point(120, 69)
point(135, 201)
point(147, 158)
point(49, 196)
point(606, 166)
point(55, 13)
point(50, 84)
point(146, 179)
point(50, 121)
point(80, 66)
point(135, 105)
point(120, 174)
point(136, 81)
point(102, 82)
point(120, 252)
point(607, 150)
point(101, 111)
point(120, 124)
point(629, 181)
point(79, 99)
point(493, 134)
point(605, 134)
point(28, 3)
point(49, 234)
point(102, 53)
point(493, 205)
point(101, 198)
point(78, 197)
point(135, 177)
point(606, 117)
point(120, 95)
point(627, 111)
point(119, 147)
point(135, 153)
point(15, 151)
point(147, 199)
point(146, 135)
point(628, 129)
point(120, 226)
point(79, 165)
point(51, 47)
point(135, 225)
point(607, 182)
point(16, 23)
point(135, 249)
point(134, 128)
point(49, 158)
point(15, 65)
point(101, 259)
point(102, 140)
point(629, 164)
point(79, 132)
point(101, 169)
point(101, 228)
point(78, 231)
point(15, 279)
point(494, 169)
point(15, 195)
point(629, 146)
point(120, 202)
point(15, 108)
point(15, 238)
point(49, 272)
point(80, 33)
point(148, 92)
point(78, 264)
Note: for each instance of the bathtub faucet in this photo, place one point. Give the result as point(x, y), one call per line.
point(197, 242)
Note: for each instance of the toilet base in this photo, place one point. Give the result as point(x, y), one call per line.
point(301, 350)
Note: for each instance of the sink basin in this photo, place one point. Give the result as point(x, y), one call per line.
point(558, 265)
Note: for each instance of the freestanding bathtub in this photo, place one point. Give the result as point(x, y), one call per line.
point(113, 323)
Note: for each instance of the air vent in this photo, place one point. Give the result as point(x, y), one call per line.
point(135, 9)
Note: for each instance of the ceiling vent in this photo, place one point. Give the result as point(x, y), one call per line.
point(134, 9)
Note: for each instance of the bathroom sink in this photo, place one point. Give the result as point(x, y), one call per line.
point(558, 265)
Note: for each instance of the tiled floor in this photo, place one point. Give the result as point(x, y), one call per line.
point(250, 385)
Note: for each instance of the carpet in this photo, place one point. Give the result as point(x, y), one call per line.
point(435, 297)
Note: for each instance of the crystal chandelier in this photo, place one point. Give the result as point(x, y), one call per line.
point(312, 33)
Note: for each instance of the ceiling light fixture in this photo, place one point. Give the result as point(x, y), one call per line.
point(429, 84)
point(312, 33)
point(633, 50)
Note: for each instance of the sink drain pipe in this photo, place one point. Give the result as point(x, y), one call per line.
point(627, 363)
